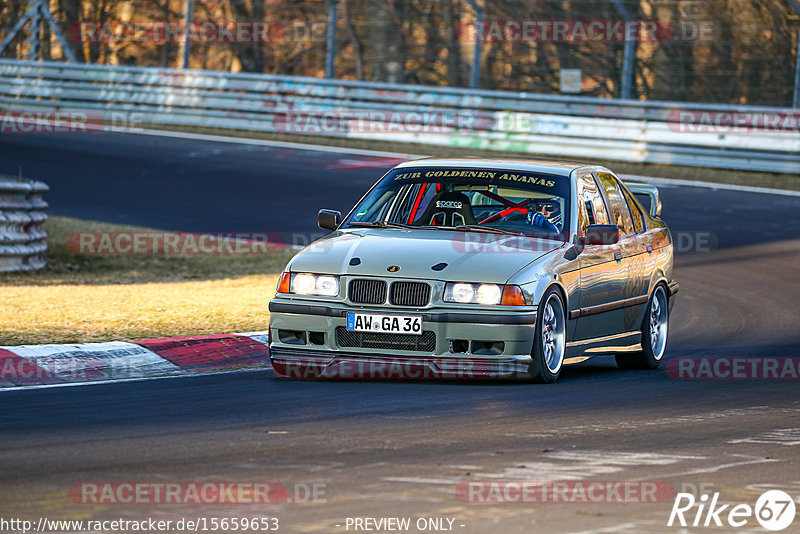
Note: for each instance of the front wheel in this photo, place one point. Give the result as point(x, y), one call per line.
point(655, 327)
point(549, 343)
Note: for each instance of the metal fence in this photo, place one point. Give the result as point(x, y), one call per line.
point(91, 98)
point(714, 51)
point(22, 213)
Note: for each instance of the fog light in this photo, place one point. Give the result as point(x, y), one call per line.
point(316, 338)
point(292, 337)
point(488, 347)
point(459, 345)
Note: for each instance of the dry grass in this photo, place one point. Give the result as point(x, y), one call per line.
point(81, 298)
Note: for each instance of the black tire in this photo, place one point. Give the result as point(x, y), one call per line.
point(653, 347)
point(551, 319)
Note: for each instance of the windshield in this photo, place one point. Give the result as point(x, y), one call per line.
point(497, 201)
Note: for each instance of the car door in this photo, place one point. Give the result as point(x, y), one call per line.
point(603, 269)
point(638, 259)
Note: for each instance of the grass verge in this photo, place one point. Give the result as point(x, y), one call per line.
point(80, 298)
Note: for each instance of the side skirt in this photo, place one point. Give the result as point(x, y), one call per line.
point(581, 350)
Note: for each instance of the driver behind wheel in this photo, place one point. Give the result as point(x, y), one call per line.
point(541, 216)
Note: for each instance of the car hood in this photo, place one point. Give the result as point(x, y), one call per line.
point(470, 256)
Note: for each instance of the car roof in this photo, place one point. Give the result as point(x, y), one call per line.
point(562, 168)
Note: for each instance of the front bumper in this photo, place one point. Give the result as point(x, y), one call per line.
point(327, 359)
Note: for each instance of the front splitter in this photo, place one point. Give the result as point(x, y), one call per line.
point(295, 363)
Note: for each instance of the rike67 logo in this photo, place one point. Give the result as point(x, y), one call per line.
point(774, 510)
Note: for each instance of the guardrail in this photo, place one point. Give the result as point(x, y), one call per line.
point(22, 213)
point(576, 127)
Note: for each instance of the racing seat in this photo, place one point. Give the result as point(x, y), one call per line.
point(448, 208)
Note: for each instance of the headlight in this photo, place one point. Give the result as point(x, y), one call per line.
point(328, 286)
point(487, 294)
point(314, 284)
point(304, 284)
point(465, 293)
point(460, 293)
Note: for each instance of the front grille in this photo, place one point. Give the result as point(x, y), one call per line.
point(364, 291)
point(426, 342)
point(410, 294)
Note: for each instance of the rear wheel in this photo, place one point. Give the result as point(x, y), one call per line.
point(549, 343)
point(655, 327)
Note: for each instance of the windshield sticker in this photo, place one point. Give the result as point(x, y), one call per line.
point(489, 175)
point(527, 179)
point(460, 174)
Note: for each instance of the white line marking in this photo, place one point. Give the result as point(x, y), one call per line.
point(579, 465)
point(420, 480)
point(783, 436)
point(667, 182)
point(364, 152)
point(620, 458)
point(721, 467)
point(277, 144)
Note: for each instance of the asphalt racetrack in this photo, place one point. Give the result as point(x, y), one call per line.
point(400, 449)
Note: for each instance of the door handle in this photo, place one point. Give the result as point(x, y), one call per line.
point(618, 256)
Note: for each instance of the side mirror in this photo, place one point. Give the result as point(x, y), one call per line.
point(601, 234)
point(329, 219)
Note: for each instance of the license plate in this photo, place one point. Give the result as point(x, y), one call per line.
point(395, 324)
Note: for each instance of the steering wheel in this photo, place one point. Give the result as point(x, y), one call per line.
point(516, 208)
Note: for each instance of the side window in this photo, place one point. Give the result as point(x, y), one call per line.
point(589, 209)
point(638, 220)
point(592, 210)
point(620, 212)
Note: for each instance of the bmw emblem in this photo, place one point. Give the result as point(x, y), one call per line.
point(393, 268)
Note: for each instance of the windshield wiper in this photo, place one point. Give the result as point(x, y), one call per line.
point(379, 224)
point(487, 229)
